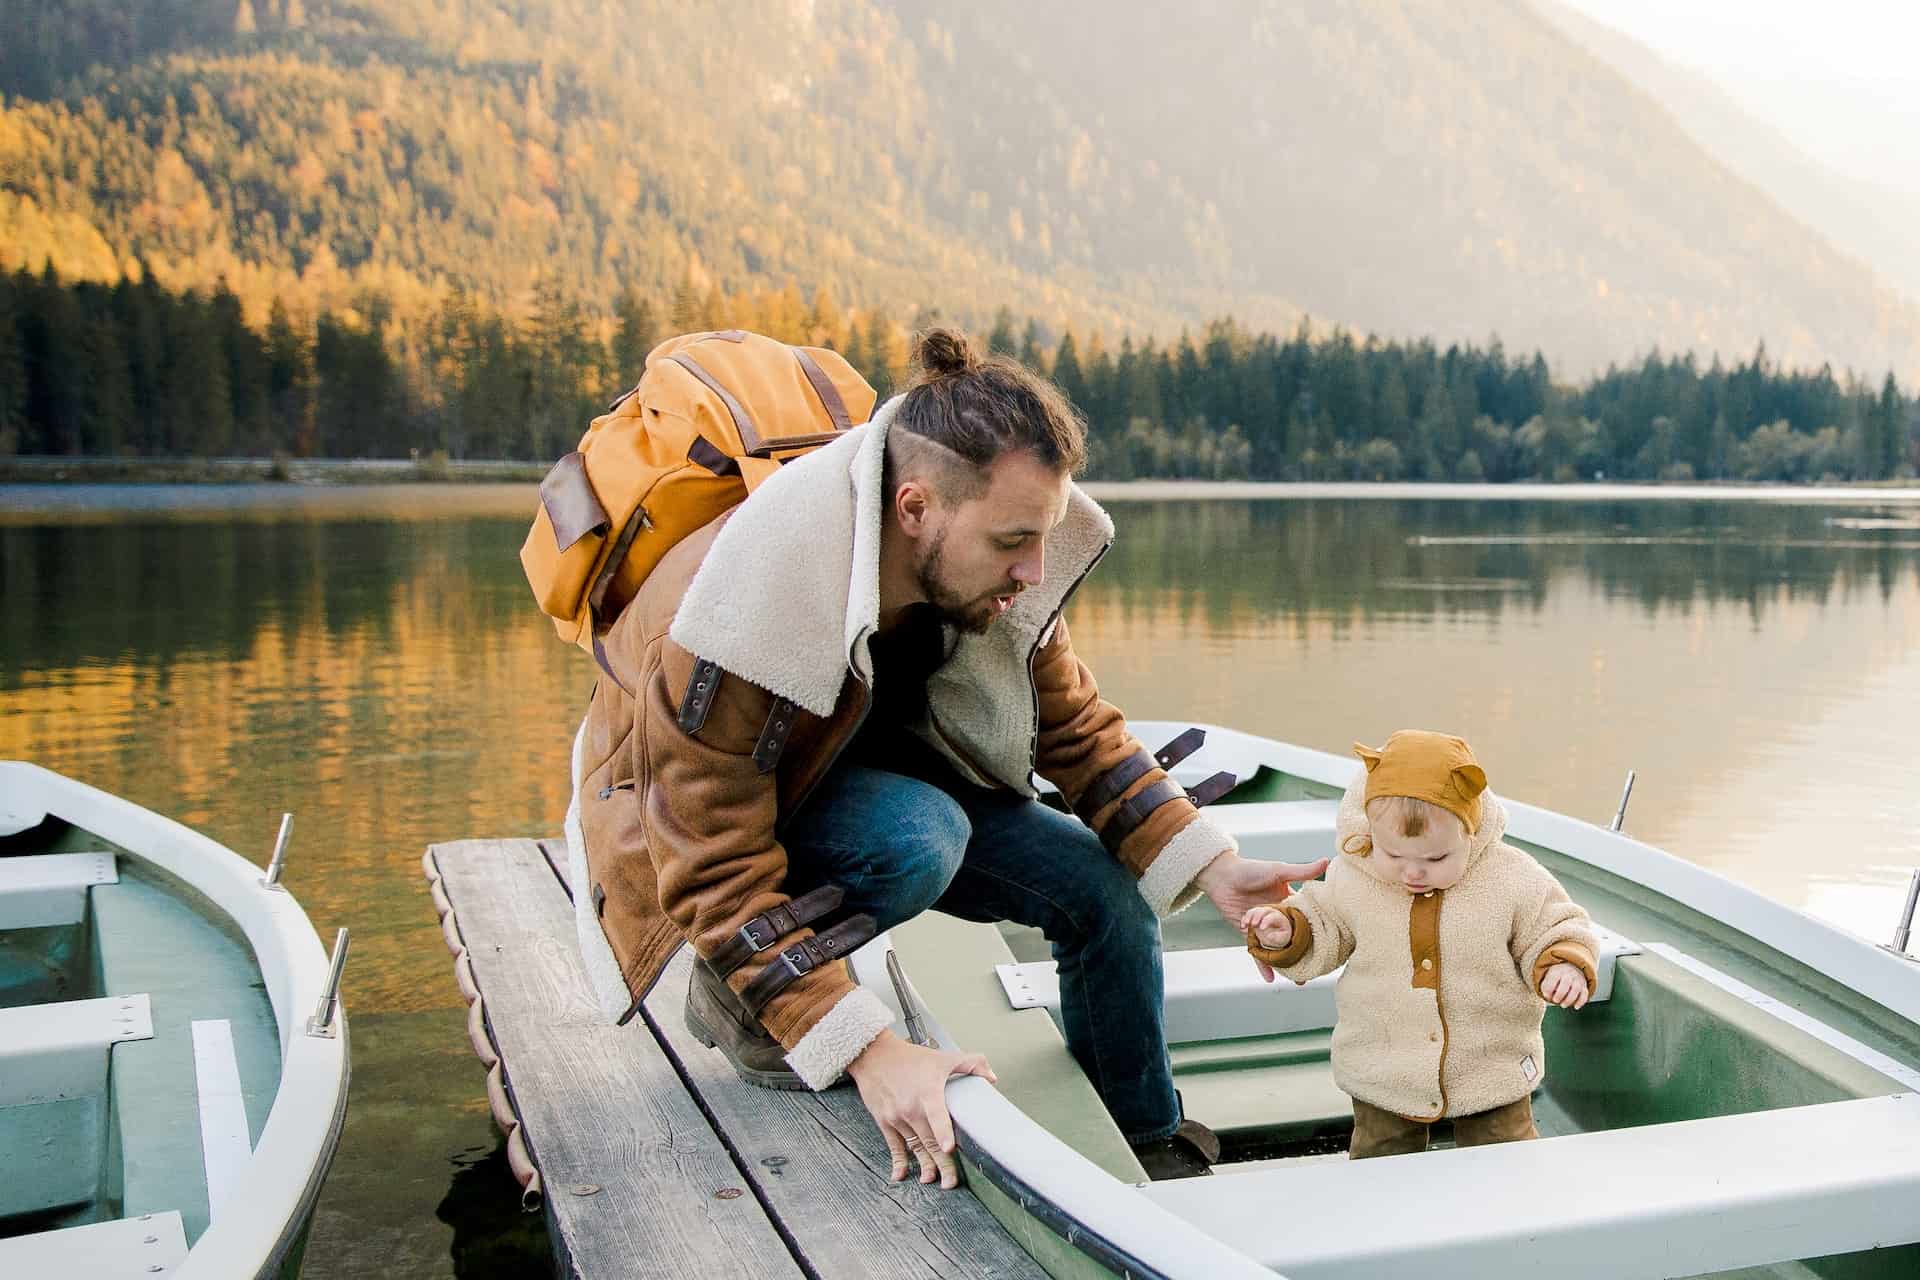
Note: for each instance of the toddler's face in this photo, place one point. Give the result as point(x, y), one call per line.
point(1434, 859)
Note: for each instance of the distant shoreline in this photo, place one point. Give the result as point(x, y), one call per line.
point(297, 471)
point(332, 472)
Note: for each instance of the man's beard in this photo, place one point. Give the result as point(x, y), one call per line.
point(971, 615)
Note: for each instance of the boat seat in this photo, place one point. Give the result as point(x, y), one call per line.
point(1248, 1054)
point(1685, 1198)
point(1280, 830)
point(40, 890)
point(57, 1052)
point(1215, 993)
point(152, 1243)
point(1271, 830)
point(53, 1086)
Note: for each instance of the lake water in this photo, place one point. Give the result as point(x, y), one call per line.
point(371, 660)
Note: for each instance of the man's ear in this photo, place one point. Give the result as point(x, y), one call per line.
point(912, 505)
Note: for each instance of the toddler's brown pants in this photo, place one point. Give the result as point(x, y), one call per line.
point(1382, 1133)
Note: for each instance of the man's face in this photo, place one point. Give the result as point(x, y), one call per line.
point(974, 558)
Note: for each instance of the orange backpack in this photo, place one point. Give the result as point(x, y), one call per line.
point(713, 416)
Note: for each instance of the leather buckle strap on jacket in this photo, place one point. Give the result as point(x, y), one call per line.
point(803, 957)
point(1135, 809)
point(773, 735)
point(702, 685)
point(1140, 805)
point(766, 930)
point(1181, 747)
point(1109, 786)
point(1207, 790)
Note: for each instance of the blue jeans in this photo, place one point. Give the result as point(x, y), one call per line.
point(902, 842)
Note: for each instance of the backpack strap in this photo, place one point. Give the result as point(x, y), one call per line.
point(823, 387)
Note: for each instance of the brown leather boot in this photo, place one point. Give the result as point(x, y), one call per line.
point(1190, 1151)
point(716, 1018)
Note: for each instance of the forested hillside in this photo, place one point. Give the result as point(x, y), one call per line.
point(1405, 167)
point(338, 229)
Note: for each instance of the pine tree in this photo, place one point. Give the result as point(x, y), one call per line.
point(195, 404)
point(54, 379)
point(289, 384)
point(636, 331)
point(1030, 353)
point(106, 393)
point(1892, 433)
point(826, 327)
point(856, 350)
point(1001, 340)
point(1067, 374)
point(246, 372)
point(144, 309)
point(13, 368)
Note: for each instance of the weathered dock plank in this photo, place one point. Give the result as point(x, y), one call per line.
point(822, 1169)
point(637, 1182)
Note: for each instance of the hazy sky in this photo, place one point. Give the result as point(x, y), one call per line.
point(1841, 78)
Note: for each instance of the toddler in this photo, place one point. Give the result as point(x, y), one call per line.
point(1454, 943)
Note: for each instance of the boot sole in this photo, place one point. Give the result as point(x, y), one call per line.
point(785, 1081)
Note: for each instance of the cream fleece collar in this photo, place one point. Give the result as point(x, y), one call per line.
point(1353, 835)
point(786, 600)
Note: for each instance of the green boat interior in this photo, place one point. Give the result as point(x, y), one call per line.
point(1700, 1021)
point(139, 1055)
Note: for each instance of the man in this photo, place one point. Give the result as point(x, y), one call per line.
point(827, 710)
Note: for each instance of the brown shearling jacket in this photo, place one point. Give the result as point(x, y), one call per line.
point(679, 821)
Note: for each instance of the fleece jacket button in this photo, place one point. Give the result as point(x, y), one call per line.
point(1426, 962)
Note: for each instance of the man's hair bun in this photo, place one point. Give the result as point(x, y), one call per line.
point(944, 353)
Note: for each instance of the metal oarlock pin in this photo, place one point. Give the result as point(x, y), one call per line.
point(321, 1023)
point(1904, 929)
point(1620, 814)
point(278, 862)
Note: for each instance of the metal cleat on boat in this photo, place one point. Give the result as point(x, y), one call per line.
point(1620, 814)
point(321, 1023)
point(278, 863)
point(1904, 929)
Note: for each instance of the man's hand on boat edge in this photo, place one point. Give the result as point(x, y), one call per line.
point(903, 1087)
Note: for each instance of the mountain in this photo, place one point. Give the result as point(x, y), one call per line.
point(1873, 222)
point(1406, 167)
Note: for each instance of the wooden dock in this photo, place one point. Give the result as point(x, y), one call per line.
point(647, 1154)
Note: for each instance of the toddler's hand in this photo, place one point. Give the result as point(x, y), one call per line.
point(1565, 986)
point(1269, 926)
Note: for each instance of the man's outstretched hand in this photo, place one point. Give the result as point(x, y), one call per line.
point(904, 1088)
point(1235, 885)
